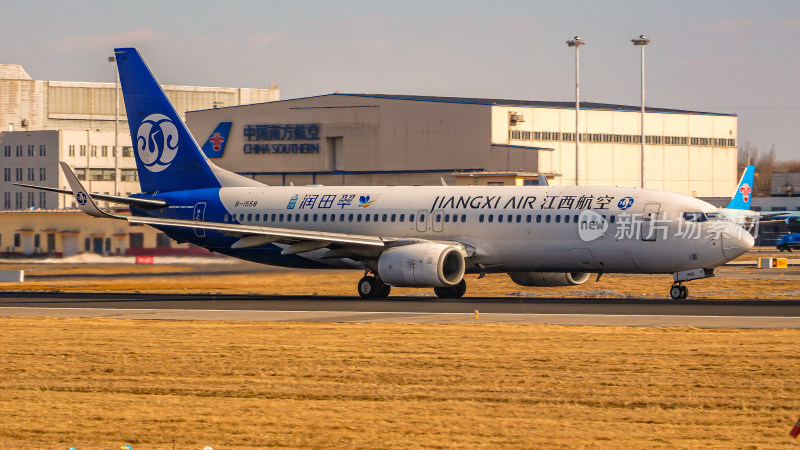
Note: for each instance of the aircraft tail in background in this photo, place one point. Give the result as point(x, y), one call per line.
point(744, 191)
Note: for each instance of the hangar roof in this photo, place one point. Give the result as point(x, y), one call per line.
point(531, 103)
point(504, 102)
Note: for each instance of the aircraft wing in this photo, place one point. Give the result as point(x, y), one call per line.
point(299, 241)
point(252, 235)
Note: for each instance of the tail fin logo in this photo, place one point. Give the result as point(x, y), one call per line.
point(745, 190)
point(157, 142)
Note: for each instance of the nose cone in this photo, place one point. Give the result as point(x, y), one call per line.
point(737, 242)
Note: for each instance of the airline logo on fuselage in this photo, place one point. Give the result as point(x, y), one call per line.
point(157, 142)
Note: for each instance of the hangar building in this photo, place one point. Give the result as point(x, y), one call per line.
point(377, 139)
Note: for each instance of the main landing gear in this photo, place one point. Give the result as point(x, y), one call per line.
point(371, 287)
point(456, 291)
point(678, 291)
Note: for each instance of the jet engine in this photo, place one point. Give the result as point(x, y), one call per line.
point(422, 265)
point(548, 278)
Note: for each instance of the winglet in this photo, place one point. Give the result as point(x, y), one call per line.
point(85, 201)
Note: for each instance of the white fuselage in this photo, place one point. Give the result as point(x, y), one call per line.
point(530, 228)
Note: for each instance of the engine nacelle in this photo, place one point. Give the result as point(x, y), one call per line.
point(422, 265)
point(548, 278)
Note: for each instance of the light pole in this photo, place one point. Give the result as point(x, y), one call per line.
point(113, 60)
point(642, 41)
point(577, 42)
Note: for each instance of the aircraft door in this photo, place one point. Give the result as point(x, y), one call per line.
point(199, 216)
point(649, 216)
point(422, 220)
point(437, 220)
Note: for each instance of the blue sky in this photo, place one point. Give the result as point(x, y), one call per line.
point(724, 56)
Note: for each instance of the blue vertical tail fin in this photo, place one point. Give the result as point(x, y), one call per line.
point(167, 156)
point(743, 195)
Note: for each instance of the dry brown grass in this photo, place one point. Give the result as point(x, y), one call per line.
point(344, 282)
point(99, 383)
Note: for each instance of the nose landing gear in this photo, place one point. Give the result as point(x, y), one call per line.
point(678, 291)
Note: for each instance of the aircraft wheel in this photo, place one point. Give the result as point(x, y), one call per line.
point(385, 290)
point(369, 287)
point(676, 291)
point(456, 291)
point(684, 292)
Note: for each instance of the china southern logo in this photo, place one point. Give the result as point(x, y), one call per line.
point(591, 226)
point(625, 203)
point(81, 198)
point(216, 140)
point(157, 142)
point(215, 145)
point(745, 190)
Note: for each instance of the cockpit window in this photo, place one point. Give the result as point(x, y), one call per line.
point(694, 217)
point(702, 217)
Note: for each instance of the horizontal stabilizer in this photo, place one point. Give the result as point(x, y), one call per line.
point(140, 202)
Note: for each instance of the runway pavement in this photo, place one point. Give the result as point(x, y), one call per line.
point(630, 312)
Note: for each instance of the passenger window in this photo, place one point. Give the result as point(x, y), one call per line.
point(375, 218)
point(383, 219)
point(297, 217)
point(528, 218)
point(491, 218)
point(422, 217)
point(305, 217)
point(410, 217)
point(566, 218)
point(394, 216)
point(333, 217)
point(575, 218)
point(315, 217)
point(281, 217)
point(273, 217)
point(288, 217)
point(499, 218)
point(350, 218)
point(438, 218)
point(558, 218)
point(324, 217)
point(547, 218)
point(402, 217)
point(538, 218)
point(510, 218)
point(612, 219)
point(258, 217)
point(480, 218)
point(366, 219)
point(241, 217)
point(519, 218)
point(447, 217)
point(227, 217)
point(249, 217)
point(463, 217)
point(358, 217)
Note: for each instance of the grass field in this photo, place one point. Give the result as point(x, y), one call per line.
point(100, 383)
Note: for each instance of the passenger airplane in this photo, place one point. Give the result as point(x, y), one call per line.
point(401, 235)
point(738, 210)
